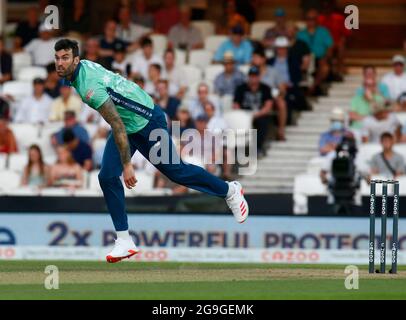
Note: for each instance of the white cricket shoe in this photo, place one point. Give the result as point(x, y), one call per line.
point(237, 203)
point(122, 249)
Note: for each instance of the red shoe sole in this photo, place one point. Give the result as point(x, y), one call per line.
point(111, 259)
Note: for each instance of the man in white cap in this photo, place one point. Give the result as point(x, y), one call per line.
point(227, 81)
point(330, 139)
point(42, 48)
point(396, 79)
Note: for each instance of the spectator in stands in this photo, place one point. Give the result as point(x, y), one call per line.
point(52, 81)
point(92, 52)
point(233, 18)
point(299, 52)
point(8, 143)
point(320, 42)
point(81, 151)
point(280, 28)
point(276, 77)
point(396, 80)
point(387, 163)
point(77, 20)
point(382, 120)
point(215, 127)
point(184, 118)
point(369, 72)
point(65, 173)
point(109, 41)
point(248, 9)
point(256, 97)
point(27, 30)
point(141, 16)
point(184, 35)
point(227, 81)
point(6, 63)
point(141, 62)
point(35, 109)
point(139, 80)
point(334, 21)
point(36, 172)
point(361, 104)
point(121, 63)
point(129, 31)
point(174, 74)
point(42, 48)
point(70, 122)
point(196, 104)
point(240, 47)
point(154, 74)
point(166, 17)
point(66, 101)
point(167, 102)
point(331, 139)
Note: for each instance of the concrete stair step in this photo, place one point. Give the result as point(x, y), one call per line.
point(305, 130)
point(293, 146)
point(247, 182)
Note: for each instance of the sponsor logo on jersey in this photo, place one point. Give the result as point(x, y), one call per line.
point(89, 94)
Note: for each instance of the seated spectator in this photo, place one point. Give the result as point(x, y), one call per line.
point(141, 15)
point(240, 47)
point(27, 30)
point(77, 21)
point(361, 104)
point(227, 81)
point(121, 63)
point(70, 122)
point(154, 74)
point(66, 101)
point(396, 80)
point(215, 127)
point(332, 138)
point(232, 18)
point(369, 72)
point(334, 21)
point(381, 120)
point(66, 173)
point(255, 96)
point(139, 80)
point(184, 118)
point(141, 62)
point(52, 82)
point(42, 48)
point(388, 163)
point(196, 104)
point(167, 102)
point(278, 30)
point(276, 76)
point(173, 74)
point(167, 16)
point(6, 63)
point(36, 172)
point(320, 42)
point(81, 151)
point(184, 35)
point(129, 31)
point(109, 42)
point(92, 52)
point(35, 109)
point(8, 143)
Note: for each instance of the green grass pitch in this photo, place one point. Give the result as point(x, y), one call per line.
point(200, 281)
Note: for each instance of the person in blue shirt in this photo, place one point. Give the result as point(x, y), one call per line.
point(71, 122)
point(320, 42)
point(369, 72)
point(241, 48)
point(81, 151)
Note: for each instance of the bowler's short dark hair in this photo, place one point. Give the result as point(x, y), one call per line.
point(66, 44)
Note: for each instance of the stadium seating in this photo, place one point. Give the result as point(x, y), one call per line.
point(212, 71)
point(25, 134)
point(30, 73)
point(258, 29)
point(226, 103)
point(401, 117)
point(9, 180)
point(20, 61)
point(160, 42)
point(3, 161)
point(193, 74)
point(200, 58)
point(212, 43)
point(144, 186)
point(17, 162)
point(180, 57)
point(206, 27)
point(306, 185)
point(17, 89)
point(241, 122)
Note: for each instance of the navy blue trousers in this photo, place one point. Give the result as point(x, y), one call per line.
point(185, 174)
